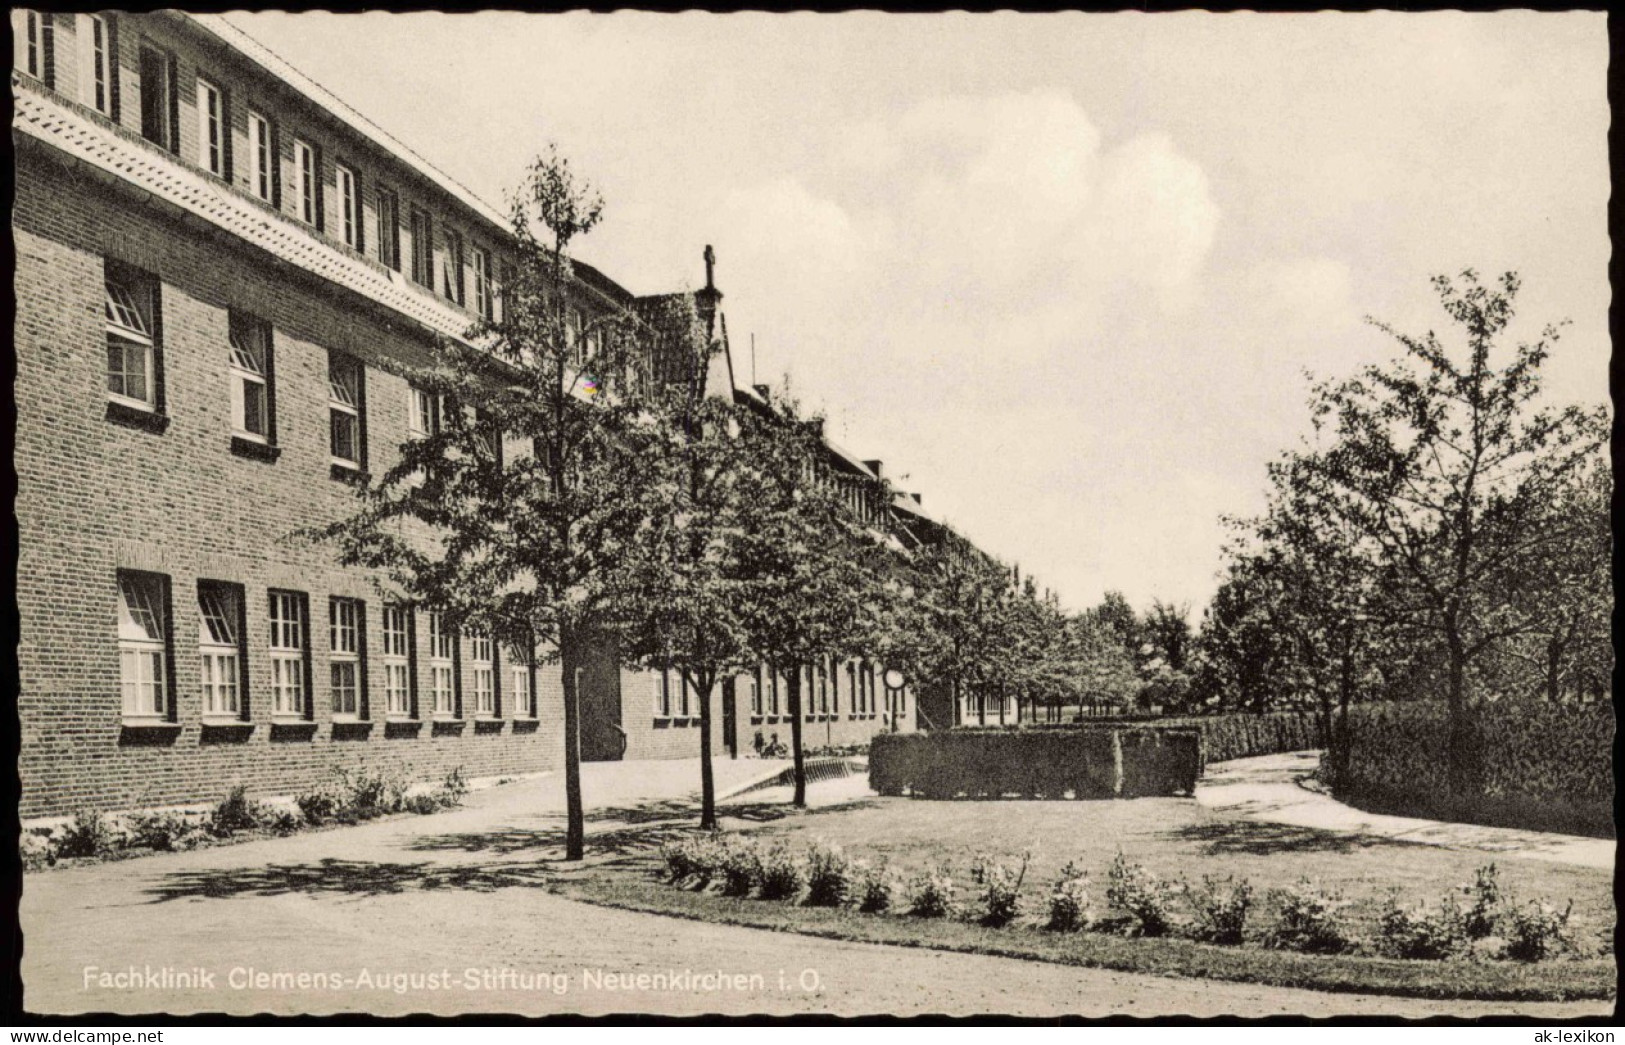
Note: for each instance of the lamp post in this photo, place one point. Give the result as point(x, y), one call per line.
point(895, 682)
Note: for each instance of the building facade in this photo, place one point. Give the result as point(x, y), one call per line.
point(222, 274)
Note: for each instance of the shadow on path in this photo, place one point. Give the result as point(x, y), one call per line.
point(639, 827)
point(1262, 838)
point(342, 877)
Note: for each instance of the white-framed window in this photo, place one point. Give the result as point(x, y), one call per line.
point(661, 684)
point(219, 642)
point(349, 206)
point(524, 690)
point(397, 661)
point(483, 302)
point(422, 249)
point(345, 622)
point(131, 346)
point(158, 109)
point(288, 654)
point(262, 158)
point(143, 645)
point(451, 270)
point(442, 666)
point(773, 706)
point(572, 334)
point(422, 413)
point(874, 694)
point(389, 228)
point(96, 75)
point(482, 661)
point(211, 134)
point(854, 691)
point(250, 370)
point(755, 685)
point(304, 182)
point(33, 36)
point(344, 407)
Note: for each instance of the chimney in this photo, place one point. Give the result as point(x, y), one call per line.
point(706, 299)
point(873, 466)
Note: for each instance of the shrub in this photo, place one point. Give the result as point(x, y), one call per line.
point(165, 831)
point(932, 894)
point(1535, 931)
point(740, 866)
point(1421, 934)
point(1138, 893)
point(1310, 919)
point(284, 821)
point(319, 805)
point(237, 812)
point(781, 875)
point(369, 794)
point(1069, 900)
point(454, 788)
point(678, 859)
point(36, 850)
point(1000, 887)
point(89, 833)
point(829, 875)
point(1485, 900)
point(694, 859)
point(423, 803)
point(1220, 907)
point(876, 888)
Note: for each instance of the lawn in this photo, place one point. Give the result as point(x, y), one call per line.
point(1171, 838)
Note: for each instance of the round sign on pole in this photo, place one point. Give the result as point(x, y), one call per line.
point(894, 679)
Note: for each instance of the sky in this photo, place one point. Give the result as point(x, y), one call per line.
point(1063, 273)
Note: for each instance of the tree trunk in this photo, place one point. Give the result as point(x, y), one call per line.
point(1554, 655)
point(1460, 773)
point(799, 759)
point(708, 785)
point(575, 831)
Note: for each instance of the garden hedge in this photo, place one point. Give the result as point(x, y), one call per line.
point(1084, 763)
point(1235, 735)
point(1534, 765)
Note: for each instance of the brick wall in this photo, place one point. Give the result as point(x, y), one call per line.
point(96, 496)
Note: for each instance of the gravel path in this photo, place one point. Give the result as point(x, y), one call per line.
point(1267, 788)
point(448, 914)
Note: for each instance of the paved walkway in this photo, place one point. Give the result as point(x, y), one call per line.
point(450, 913)
point(1267, 788)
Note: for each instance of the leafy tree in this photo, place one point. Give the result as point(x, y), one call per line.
point(814, 572)
point(1168, 628)
point(682, 578)
point(505, 517)
point(1443, 463)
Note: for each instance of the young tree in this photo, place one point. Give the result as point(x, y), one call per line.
point(1444, 464)
point(682, 579)
point(813, 572)
point(504, 516)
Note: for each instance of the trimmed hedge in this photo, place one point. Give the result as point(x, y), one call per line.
point(1223, 736)
point(1085, 763)
point(1533, 765)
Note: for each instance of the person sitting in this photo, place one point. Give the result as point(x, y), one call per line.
point(774, 748)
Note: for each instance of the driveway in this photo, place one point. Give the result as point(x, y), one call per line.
point(450, 914)
point(1268, 788)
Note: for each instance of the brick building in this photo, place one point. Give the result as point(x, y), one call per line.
point(221, 271)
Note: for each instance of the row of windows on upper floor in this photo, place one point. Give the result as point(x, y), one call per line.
point(147, 648)
point(135, 386)
point(441, 252)
point(677, 698)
